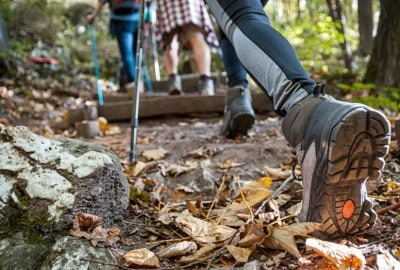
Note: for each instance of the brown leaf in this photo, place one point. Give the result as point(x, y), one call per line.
point(283, 237)
point(240, 254)
point(203, 231)
point(87, 221)
point(178, 249)
point(229, 163)
point(342, 256)
point(203, 152)
point(175, 169)
point(251, 236)
point(277, 173)
point(106, 237)
point(155, 154)
point(142, 257)
point(199, 254)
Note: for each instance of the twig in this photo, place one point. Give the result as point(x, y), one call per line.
point(214, 201)
point(105, 263)
point(388, 208)
point(276, 193)
point(245, 201)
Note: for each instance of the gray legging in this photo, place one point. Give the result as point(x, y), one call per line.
point(265, 53)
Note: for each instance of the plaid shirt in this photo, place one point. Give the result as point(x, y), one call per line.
point(174, 13)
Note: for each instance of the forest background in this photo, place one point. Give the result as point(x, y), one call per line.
point(352, 45)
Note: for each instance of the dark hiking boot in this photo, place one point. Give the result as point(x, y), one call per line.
point(339, 146)
point(174, 85)
point(206, 87)
point(239, 114)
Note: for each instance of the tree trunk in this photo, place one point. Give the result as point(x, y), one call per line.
point(365, 22)
point(384, 65)
point(335, 11)
point(4, 48)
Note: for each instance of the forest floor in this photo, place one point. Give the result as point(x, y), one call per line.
point(184, 165)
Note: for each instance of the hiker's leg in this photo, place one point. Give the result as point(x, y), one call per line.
point(339, 145)
point(192, 38)
point(171, 57)
point(126, 38)
point(239, 115)
point(265, 53)
point(235, 72)
point(171, 61)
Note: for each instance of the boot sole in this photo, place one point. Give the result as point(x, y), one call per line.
point(239, 125)
point(357, 145)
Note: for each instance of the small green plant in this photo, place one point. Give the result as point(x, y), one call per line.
point(377, 97)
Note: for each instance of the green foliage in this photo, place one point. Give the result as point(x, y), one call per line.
point(316, 43)
point(55, 28)
point(369, 94)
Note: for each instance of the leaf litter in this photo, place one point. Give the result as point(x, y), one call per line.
point(193, 200)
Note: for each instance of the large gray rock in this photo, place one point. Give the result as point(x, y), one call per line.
point(45, 182)
point(71, 253)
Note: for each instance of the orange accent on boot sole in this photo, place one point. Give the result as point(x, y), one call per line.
point(348, 209)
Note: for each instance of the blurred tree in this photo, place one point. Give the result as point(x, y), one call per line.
point(365, 26)
point(384, 65)
point(335, 11)
point(4, 47)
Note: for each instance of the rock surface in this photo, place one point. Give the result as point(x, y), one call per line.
point(44, 183)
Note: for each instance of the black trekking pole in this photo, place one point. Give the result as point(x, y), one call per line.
point(138, 84)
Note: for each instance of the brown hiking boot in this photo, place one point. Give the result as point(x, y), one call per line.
point(339, 146)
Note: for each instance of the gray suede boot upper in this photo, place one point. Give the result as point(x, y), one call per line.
point(239, 113)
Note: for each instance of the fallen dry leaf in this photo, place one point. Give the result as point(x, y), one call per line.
point(103, 123)
point(342, 256)
point(199, 254)
point(112, 130)
point(295, 209)
point(229, 163)
point(86, 221)
point(104, 236)
point(98, 236)
point(283, 237)
point(178, 249)
point(203, 231)
point(155, 154)
point(277, 173)
point(175, 169)
point(203, 152)
point(251, 198)
point(240, 254)
point(251, 235)
point(142, 257)
point(387, 261)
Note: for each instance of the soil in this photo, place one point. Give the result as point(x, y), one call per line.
point(196, 139)
point(265, 146)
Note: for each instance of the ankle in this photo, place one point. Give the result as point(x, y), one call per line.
point(297, 118)
point(204, 77)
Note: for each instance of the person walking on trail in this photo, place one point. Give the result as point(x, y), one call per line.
point(124, 23)
point(239, 115)
point(186, 23)
point(339, 145)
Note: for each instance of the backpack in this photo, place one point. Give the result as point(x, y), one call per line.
point(122, 7)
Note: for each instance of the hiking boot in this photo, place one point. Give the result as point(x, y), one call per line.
point(339, 146)
point(239, 114)
point(174, 85)
point(206, 87)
